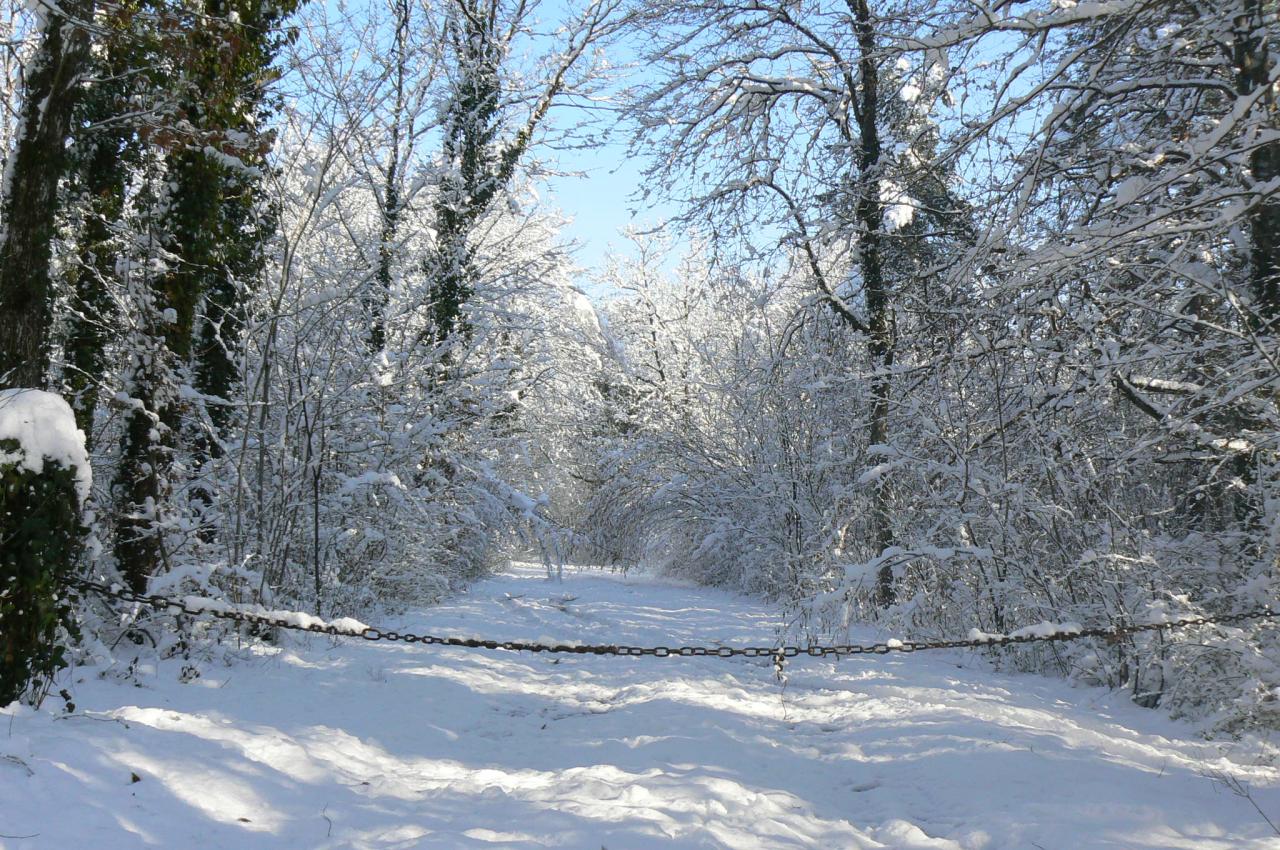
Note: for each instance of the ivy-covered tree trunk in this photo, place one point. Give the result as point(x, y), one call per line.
point(209, 222)
point(473, 173)
point(880, 321)
point(378, 296)
point(44, 478)
point(1253, 75)
point(222, 317)
point(104, 153)
point(478, 164)
point(41, 497)
point(28, 207)
point(246, 222)
point(92, 310)
point(184, 225)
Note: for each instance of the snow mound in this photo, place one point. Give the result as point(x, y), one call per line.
point(45, 428)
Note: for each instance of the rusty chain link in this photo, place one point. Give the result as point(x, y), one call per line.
point(778, 653)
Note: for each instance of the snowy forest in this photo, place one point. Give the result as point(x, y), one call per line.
point(960, 315)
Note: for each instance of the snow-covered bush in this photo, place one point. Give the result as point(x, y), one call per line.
point(44, 482)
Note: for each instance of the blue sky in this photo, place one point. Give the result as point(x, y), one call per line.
point(602, 201)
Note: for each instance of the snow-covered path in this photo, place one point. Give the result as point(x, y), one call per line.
point(357, 745)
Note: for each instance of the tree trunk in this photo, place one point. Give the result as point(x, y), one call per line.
point(870, 214)
point(380, 295)
point(1253, 72)
point(102, 181)
point(187, 230)
point(140, 489)
point(29, 203)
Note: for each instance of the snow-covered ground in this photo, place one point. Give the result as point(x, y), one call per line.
point(359, 745)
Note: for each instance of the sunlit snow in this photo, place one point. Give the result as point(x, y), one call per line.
point(323, 744)
point(45, 429)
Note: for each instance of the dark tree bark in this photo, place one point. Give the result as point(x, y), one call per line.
point(92, 310)
point(481, 162)
point(880, 324)
point(477, 174)
point(379, 296)
point(28, 208)
point(104, 153)
point(208, 222)
point(1253, 74)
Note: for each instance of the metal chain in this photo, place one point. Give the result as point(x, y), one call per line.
point(777, 653)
